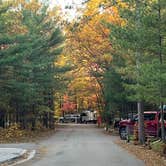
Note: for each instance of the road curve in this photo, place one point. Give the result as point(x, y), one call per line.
point(81, 145)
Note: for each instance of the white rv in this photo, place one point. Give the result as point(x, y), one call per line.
point(88, 116)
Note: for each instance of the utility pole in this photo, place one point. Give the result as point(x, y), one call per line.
point(141, 132)
point(161, 63)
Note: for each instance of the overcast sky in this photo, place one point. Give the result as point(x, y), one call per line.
point(70, 13)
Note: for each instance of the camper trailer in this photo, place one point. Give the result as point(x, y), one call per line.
point(88, 116)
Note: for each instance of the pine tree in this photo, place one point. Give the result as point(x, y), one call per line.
point(143, 36)
point(29, 75)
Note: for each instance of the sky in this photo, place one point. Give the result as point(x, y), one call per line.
point(69, 13)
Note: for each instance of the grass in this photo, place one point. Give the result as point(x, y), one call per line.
point(158, 146)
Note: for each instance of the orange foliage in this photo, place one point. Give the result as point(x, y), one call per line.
point(67, 105)
point(89, 47)
point(89, 41)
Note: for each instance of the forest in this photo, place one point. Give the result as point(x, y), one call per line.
point(110, 58)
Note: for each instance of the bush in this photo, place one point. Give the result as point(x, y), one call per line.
point(159, 146)
point(13, 132)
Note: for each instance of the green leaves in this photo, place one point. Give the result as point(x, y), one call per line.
point(27, 70)
point(142, 50)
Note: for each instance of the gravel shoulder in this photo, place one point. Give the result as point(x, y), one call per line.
point(149, 157)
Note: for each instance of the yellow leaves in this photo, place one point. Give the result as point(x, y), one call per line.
point(18, 29)
point(13, 20)
point(13, 131)
point(99, 10)
point(93, 39)
point(90, 40)
point(55, 13)
point(57, 104)
point(122, 4)
point(57, 109)
point(106, 58)
point(93, 35)
point(33, 5)
point(17, 3)
point(90, 47)
point(79, 83)
point(93, 7)
point(84, 89)
point(62, 61)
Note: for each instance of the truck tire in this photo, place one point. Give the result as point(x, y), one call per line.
point(123, 133)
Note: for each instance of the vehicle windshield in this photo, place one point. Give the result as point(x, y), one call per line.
point(150, 116)
point(147, 116)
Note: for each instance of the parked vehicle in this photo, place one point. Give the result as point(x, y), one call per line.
point(116, 123)
point(88, 117)
point(152, 122)
point(70, 118)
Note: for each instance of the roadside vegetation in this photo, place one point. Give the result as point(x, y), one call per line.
point(30, 43)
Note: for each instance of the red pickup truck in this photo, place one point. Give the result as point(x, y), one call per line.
point(152, 124)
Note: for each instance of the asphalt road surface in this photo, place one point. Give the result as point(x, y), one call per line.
point(80, 145)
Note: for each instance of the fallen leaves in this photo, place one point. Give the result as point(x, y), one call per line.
point(15, 135)
point(150, 157)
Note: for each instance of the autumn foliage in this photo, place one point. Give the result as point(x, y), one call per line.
point(67, 105)
point(89, 48)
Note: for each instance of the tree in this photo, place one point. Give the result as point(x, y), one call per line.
point(29, 75)
point(91, 46)
point(139, 40)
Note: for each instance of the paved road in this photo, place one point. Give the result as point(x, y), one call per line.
point(80, 145)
